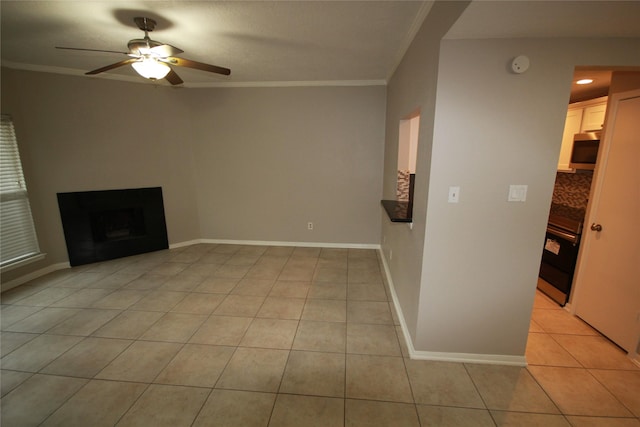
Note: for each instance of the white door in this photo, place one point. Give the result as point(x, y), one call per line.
point(608, 276)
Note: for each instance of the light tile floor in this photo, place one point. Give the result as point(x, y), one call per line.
point(229, 335)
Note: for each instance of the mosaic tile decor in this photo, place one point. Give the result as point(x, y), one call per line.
point(402, 192)
point(572, 189)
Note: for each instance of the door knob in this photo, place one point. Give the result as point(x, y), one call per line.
point(596, 227)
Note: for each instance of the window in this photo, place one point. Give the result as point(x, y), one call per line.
point(18, 241)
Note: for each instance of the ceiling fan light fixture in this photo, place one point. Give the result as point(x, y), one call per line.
point(151, 59)
point(150, 68)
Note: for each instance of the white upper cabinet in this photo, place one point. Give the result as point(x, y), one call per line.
point(571, 127)
point(581, 117)
point(593, 117)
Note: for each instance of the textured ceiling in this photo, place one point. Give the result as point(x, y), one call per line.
point(554, 18)
point(280, 42)
point(544, 19)
point(263, 41)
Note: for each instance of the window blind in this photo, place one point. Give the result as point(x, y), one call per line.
point(18, 239)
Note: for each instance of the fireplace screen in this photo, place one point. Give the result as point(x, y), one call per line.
point(117, 224)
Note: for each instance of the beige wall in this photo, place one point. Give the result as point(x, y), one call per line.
point(269, 160)
point(79, 134)
point(492, 128)
point(413, 87)
point(511, 134)
point(622, 81)
point(242, 164)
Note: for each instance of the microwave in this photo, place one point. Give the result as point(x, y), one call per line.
point(585, 150)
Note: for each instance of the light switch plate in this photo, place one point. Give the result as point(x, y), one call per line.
point(517, 193)
point(454, 194)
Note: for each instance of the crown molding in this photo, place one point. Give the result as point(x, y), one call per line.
point(227, 84)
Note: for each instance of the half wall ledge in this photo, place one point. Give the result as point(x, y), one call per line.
point(398, 211)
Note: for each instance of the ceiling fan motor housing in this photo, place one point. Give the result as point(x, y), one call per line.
point(136, 44)
point(145, 24)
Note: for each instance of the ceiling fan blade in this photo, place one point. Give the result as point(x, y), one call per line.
point(165, 50)
point(173, 78)
point(112, 66)
point(92, 50)
point(173, 60)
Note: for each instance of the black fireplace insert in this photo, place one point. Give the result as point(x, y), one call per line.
point(108, 224)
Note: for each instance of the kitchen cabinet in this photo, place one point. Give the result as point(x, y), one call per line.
point(571, 127)
point(581, 117)
point(593, 117)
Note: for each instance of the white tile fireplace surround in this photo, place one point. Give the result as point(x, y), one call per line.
point(234, 335)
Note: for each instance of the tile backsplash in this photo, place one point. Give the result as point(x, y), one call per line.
point(402, 191)
point(572, 189)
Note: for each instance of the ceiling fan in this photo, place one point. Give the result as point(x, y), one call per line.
point(151, 59)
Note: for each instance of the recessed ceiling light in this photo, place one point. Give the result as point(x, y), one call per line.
point(584, 81)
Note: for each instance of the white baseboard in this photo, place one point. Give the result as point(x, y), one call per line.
point(33, 275)
point(183, 244)
point(495, 359)
point(396, 305)
point(487, 359)
point(277, 243)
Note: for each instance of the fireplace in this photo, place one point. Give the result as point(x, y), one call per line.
point(103, 225)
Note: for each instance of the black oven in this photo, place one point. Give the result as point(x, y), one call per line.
point(560, 254)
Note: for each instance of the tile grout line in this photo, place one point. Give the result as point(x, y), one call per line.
point(346, 348)
point(475, 386)
point(254, 317)
point(284, 369)
point(555, 404)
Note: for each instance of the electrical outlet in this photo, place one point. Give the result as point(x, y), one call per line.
point(390, 254)
point(309, 226)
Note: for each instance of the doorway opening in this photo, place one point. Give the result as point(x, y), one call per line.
point(585, 119)
point(600, 275)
